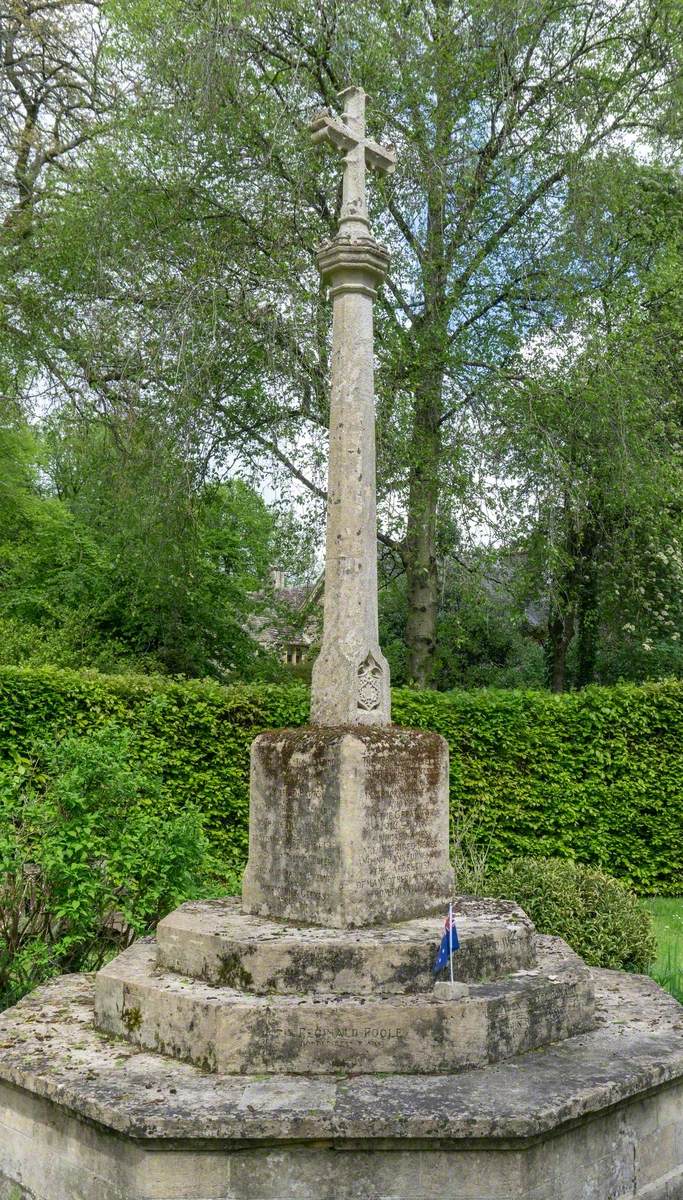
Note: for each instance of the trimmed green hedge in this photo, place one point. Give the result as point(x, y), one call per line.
point(595, 775)
point(196, 735)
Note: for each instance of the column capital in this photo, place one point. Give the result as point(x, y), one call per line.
point(353, 265)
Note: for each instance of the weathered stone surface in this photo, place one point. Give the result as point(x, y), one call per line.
point(229, 1030)
point(348, 826)
point(597, 1117)
point(351, 682)
point(596, 1161)
point(214, 941)
point(447, 990)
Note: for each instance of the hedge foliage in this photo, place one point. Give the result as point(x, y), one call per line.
point(87, 862)
point(595, 775)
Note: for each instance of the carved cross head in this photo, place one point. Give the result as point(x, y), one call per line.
point(347, 135)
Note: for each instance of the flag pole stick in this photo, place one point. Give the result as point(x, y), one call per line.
point(450, 935)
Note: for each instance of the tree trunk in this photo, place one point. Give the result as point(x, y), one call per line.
point(587, 611)
point(431, 333)
point(420, 543)
point(561, 630)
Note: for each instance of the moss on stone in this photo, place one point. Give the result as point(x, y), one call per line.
point(132, 1019)
point(233, 973)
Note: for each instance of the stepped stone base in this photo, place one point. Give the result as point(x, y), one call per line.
point(234, 993)
point(226, 1030)
point(596, 1117)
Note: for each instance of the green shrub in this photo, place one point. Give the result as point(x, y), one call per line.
point(192, 736)
point(595, 776)
point(87, 861)
point(600, 919)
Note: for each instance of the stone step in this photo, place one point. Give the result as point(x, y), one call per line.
point(214, 941)
point(225, 1030)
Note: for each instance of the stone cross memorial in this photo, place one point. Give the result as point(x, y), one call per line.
point(299, 1043)
point(349, 817)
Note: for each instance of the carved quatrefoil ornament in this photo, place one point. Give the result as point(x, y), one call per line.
point(369, 687)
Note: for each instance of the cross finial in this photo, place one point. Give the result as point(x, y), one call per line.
point(348, 136)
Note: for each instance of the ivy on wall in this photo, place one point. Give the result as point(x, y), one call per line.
point(595, 775)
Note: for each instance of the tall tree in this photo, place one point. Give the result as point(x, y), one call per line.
point(59, 92)
point(495, 107)
point(592, 453)
point(52, 98)
point(118, 552)
point(207, 205)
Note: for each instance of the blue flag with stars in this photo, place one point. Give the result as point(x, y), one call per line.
point(449, 943)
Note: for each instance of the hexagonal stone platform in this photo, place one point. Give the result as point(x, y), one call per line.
point(595, 1117)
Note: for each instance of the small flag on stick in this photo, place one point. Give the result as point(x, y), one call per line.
point(449, 944)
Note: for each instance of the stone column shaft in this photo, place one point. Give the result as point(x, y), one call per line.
point(351, 676)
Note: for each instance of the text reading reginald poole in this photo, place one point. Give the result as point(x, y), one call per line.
point(371, 1033)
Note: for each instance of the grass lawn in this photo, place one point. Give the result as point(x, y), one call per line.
point(668, 969)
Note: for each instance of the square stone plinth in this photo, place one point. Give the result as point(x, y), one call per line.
point(348, 826)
